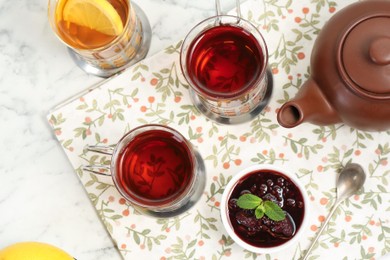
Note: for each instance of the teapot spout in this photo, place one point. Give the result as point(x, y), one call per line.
point(309, 105)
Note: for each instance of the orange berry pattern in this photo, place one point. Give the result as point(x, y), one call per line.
point(155, 91)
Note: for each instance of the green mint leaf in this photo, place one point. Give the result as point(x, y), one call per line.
point(259, 212)
point(273, 211)
point(249, 201)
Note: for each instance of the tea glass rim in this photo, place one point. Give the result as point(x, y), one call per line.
point(224, 209)
point(202, 91)
point(52, 21)
point(125, 140)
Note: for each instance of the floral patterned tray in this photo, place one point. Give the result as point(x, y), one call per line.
point(154, 91)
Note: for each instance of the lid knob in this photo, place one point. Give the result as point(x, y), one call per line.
point(380, 51)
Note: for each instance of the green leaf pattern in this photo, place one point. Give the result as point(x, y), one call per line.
point(154, 91)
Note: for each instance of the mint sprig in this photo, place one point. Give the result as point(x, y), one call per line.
point(261, 207)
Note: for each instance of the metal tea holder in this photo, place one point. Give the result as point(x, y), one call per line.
point(140, 54)
point(178, 208)
point(202, 106)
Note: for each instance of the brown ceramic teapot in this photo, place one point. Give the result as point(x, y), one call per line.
point(350, 72)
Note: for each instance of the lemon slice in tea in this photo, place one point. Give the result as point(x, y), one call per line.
point(97, 15)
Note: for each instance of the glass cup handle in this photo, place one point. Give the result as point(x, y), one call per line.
point(219, 12)
point(100, 169)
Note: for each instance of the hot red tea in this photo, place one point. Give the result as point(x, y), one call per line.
point(155, 167)
point(224, 61)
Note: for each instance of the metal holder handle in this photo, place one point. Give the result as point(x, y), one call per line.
point(219, 11)
point(100, 169)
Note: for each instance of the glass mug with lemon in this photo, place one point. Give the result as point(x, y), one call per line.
point(103, 36)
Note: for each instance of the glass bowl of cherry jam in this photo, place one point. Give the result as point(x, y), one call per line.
point(251, 200)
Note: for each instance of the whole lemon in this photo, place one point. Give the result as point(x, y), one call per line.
point(33, 251)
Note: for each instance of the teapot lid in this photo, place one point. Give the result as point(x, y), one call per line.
point(364, 57)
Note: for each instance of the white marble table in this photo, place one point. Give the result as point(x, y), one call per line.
point(41, 198)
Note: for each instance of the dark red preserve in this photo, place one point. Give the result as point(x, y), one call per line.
point(264, 232)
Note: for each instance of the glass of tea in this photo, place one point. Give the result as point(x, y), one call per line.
point(103, 36)
point(224, 59)
point(156, 169)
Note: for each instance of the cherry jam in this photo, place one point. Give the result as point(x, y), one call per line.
point(264, 232)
